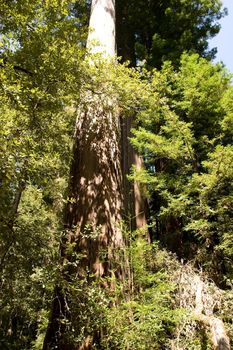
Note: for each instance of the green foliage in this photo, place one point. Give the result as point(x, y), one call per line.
point(185, 142)
point(146, 316)
point(170, 27)
point(29, 261)
point(210, 217)
point(41, 45)
point(200, 87)
point(139, 312)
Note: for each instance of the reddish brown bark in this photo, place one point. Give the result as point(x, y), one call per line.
point(93, 213)
point(135, 203)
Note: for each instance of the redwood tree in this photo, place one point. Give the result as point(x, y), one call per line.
point(93, 213)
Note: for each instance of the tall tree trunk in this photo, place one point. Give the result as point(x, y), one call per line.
point(135, 205)
point(93, 214)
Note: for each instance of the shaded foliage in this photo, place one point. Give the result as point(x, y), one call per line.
point(189, 161)
point(168, 28)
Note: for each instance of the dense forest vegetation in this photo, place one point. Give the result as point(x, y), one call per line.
point(116, 176)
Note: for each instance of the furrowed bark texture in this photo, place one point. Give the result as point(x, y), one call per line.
point(93, 214)
point(95, 208)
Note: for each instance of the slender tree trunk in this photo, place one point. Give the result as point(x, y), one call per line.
point(135, 205)
point(93, 214)
point(13, 212)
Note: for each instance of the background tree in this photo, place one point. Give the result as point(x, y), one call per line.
point(182, 144)
point(168, 28)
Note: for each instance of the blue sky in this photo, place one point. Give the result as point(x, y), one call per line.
point(224, 40)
